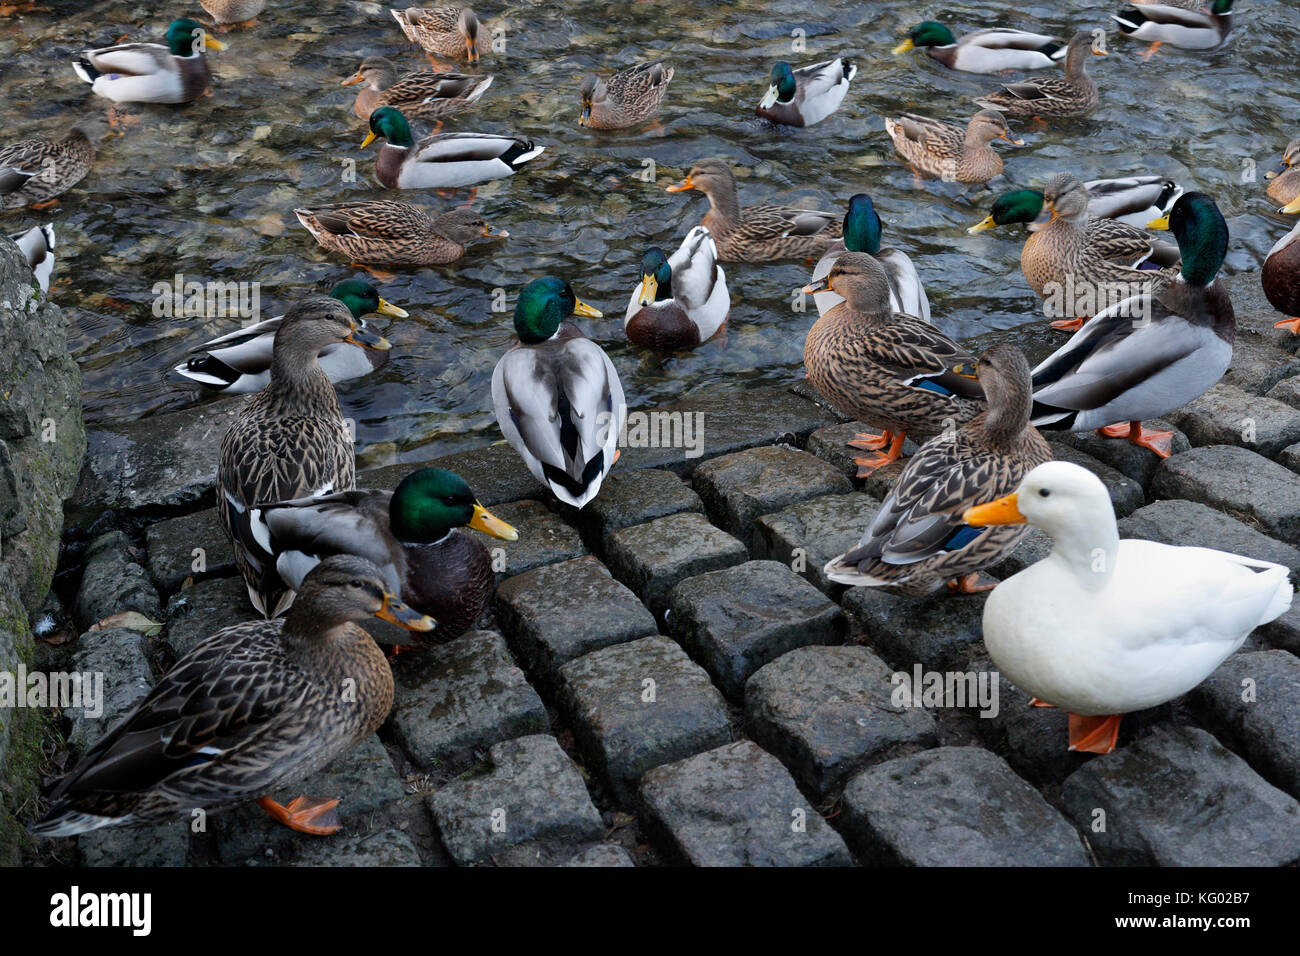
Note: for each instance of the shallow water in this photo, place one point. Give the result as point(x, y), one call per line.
point(207, 190)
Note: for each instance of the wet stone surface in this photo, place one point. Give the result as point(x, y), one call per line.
point(166, 844)
point(939, 630)
point(606, 854)
point(630, 498)
point(1129, 459)
point(651, 558)
point(1227, 415)
point(118, 654)
point(736, 620)
point(1258, 366)
point(806, 535)
point(1125, 493)
point(544, 538)
point(113, 581)
point(1182, 523)
point(1238, 481)
point(735, 806)
point(635, 706)
point(197, 612)
point(380, 848)
point(172, 544)
point(1286, 391)
point(831, 445)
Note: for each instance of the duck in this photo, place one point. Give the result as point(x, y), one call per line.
point(950, 152)
point(1073, 94)
point(917, 539)
point(991, 50)
point(880, 366)
point(1152, 353)
point(681, 300)
point(425, 95)
point(630, 97)
point(1178, 25)
point(290, 441)
point(35, 172)
point(37, 247)
point(757, 233)
point(446, 31)
point(1281, 274)
point(252, 708)
point(443, 160)
point(239, 362)
point(1132, 200)
point(557, 396)
point(151, 72)
point(228, 14)
point(1284, 180)
point(385, 232)
point(808, 95)
point(1103, 627)
point(862, 230)
point(412, 534)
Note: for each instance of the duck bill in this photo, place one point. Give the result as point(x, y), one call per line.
point(769, 99)
point(966, 370)
point(904, 46)
point(212, 43)
point(471, 51)
point(1277, 170)
point(490, 233)
point(983, 225)
point(591, 312)
point(387, 308)
point(649, 289)
point(1011, 139)
point(1002, 511)
point(368, 340)
point(585, 118)
point(681, 187)
point(489, 523)
point(1159, 225)
point(370, 138)
point(395, 612)
point(1291, 208)
point(353, 79)
point(812, 288)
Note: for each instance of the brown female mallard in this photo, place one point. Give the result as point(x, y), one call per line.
point(1284, 181)
point(290, 441)
point(446, 31)
point(426, 95)
point(1281, 274)
point(228, 14)
point(34, 172)
point(628, 98)
point(756, 233)
point(950, 152)
point(884, 367)
point(1073, 94)
point(255, 706)
point(386, 232)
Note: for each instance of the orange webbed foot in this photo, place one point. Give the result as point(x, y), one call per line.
point(1069, 325)
point(969, 584)
point(1150, 51)
point(1095, 735)
point(48, 204)
point(1035, 702)
point(870, 442)
point(377, 273)
point(1153, 439)
point(867, 465)
point(313, 815)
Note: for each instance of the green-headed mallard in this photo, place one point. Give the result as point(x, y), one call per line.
point(412, 534)
point(556, 394)
point(37, 247)
point(386, 232)
point(240, 362)
point(918, 540)
point(1191, 29)
point(446, 31)
point(883, 367)
point(151, 72)
point(756, 233)
point(35, 171)
point(443, 160)
point(1102, 627)
point(1281, 274)
point(254, 707)
point(426, 95)
point(627, 98)
point(1073, 94)
point(950, 152)
point(290, 441)
point(807, 95)
point(681, 300)
point(1150, 354)
point(1284, 180)
point(991, 50)
point(1133, 201)
point(233, 13)
point(862, 230)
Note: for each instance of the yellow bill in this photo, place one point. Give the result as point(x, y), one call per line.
point(591, 312)
point(489, 523)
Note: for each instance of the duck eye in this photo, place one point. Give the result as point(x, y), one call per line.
point(356, 583)
point(1044, 493)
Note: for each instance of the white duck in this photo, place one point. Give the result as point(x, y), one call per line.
point(1103, 627)
point(682, 299)
point(862, 230)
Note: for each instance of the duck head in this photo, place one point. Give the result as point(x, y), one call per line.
point(187, 38)
point(656, 277)
point(362, 298)
point(782, 87)
point(1202, 236)
point(430, 502)
point(345, 588)
point(928, 33)
point(545, 303)
point(388, 123)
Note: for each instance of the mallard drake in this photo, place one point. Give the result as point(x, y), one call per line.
point(233, 13)
point(1177, 25)
point(34, 172)
point(240, 362)
point(1133, 201)
point(426, 95)
point(385, 232)
point(950, 152)
point(254, 707)
point(862, 229)
point(444, 160)
point(1073, 94)
point(1284, 180)
point(630, 97)
point(446, 31)
point(984, 51)
point(556, 394)
point(290, 441)
point(807, 95)
point(151, 72)
point(1281, 274)
point(880, 366)
point(1152, 353)
point(1103, 627)
point(756, 233)
point(681, 301)
point(918, 540)
point(37, 247)
point(412, 534)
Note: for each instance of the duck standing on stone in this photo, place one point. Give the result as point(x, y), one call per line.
point(290, 441)
point(255, 706)
point(880, 366)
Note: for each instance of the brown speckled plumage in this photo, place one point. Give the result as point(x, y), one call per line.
point(425, 95)
point(387, 232)
point(447, 31)
point(1072, 94)
point(626, 98)
point(950, 152)
point(36, 170)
